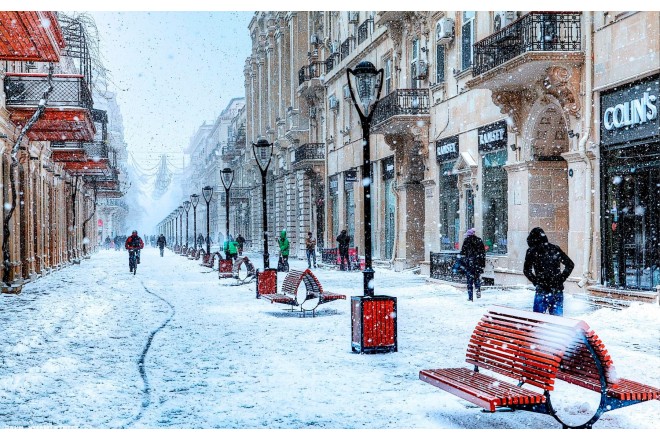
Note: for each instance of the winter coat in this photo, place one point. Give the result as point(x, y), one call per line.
point(310, 243)
point(161, 242)
point(134, 242)
point(473, 254)
point(231, 247)
point(543, 262)
point(344, 241)
point(283, 242)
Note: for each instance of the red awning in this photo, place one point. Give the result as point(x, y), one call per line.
point(30, 36)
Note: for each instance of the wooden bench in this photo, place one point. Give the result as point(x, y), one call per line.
point(536, 349)
point(313, 297)
point(209, 259)
point(249, 273)
point(194, 254)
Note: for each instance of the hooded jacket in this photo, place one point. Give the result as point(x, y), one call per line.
point(474, 254)
point(543, 262)
point(344, 241)
point(283, 242)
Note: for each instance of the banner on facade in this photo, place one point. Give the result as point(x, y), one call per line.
point(492, 137)
point(446, 149)
point(629, 113)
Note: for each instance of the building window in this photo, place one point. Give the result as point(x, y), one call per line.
point(449, 209)
point(439, 64)
point(467, 39)
point(494, 202)
point(414, 63)
point(388, 76)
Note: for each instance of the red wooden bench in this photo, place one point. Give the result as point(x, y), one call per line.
point(535, 350)
point(209, 259)
point(243, 276)
point(310, 299)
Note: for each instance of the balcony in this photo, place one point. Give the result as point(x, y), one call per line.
point(309, 78)
point(67, 116)
point(229, 151)
point(345, 48)
point(309, 156)
point(521, 53)
point(331, 62)
point(30, 36)
point(401, 111)
point(363, 30)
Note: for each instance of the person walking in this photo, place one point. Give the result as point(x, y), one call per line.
point(473, 261)
point(240, 240)
point(161, 243)
point(344, 241)
point(107, 242)
point(283, 243)
point(542, 267)
point(310, 249)
point(231, 248)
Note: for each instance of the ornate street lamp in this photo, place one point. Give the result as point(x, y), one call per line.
point(186, 206)
point(207, 192)
point(227, 179)
point(267, 279)
point(367, 82)
point(194, 200)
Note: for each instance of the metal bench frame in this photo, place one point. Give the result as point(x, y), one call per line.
point(536, 349)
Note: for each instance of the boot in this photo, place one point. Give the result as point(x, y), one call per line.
point(478, 293)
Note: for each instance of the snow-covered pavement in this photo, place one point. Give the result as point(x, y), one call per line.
point(92, 346)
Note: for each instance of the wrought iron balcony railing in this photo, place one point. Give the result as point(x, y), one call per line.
point(309, 152)
point(363, 30)
point(313, 70)
point(536, 31)
point(331, 62)
point(345, 48)
point(96, 150)
point(402, 102)
point(27, 89)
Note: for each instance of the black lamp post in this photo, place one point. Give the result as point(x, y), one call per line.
point(263, 152)
point(227, 179)
point(179, 212)
point(207, 192)
point(186, 206)
point(373, 317)
point(194, 200)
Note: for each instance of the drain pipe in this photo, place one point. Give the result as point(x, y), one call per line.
point(588, 112)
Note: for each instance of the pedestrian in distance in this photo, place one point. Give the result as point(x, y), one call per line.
point(241, 242)
point(542, 267)
point(473, 261)
point(310, 249)
point(161, 242)
point(283, 243)
point(231, 248)
point(107, 242)
point(344, 241)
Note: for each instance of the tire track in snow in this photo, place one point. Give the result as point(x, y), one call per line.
point(146, 390)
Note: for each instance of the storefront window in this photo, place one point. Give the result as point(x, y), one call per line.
point(494, 203)
point(449, 210)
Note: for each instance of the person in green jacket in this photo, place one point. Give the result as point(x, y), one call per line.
point(283, 243)
point(231, 248)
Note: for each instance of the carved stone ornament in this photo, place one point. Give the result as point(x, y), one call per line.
point(560, 84)
point(512, 103)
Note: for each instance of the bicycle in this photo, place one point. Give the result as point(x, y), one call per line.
point(133, 260)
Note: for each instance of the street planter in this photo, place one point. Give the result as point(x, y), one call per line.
point(373, 324)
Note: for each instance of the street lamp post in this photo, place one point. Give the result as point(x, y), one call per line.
point(373, 317)
point(207, 192)
point(267, 279)
point(186, 206)
point(179, 211)
point(194, 199)
point(227, 179)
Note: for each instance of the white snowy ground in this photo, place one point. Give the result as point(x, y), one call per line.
point(214, 357)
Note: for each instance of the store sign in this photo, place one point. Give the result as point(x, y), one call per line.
point(492, 137)
point(446, 149)
point(630, 113)
point(332, 187)
point(350, 176)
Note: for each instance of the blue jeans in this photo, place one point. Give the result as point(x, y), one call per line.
point(311, 254)
point(549, 300)
point(473, 278)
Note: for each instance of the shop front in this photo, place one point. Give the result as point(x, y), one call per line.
point(630, 185)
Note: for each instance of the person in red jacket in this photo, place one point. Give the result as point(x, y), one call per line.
point(134, 242)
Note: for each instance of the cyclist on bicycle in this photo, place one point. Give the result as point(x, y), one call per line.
point(134, 243)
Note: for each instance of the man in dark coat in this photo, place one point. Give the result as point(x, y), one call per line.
point(473, 256)
point(240, 240)
point(161, 242)
point(344, 241)
point(543, 268)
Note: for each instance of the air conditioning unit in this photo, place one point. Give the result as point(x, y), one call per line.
point(353, 17)
point(314, 39)
point(333, 103)
point(503, 18)
point(444, 32)
point(347, 91)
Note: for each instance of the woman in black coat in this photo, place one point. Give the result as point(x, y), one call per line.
point(473, 256)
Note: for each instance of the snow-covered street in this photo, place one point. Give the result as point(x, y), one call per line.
point(92, 346)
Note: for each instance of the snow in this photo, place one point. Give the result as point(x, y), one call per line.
point(93, 347)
